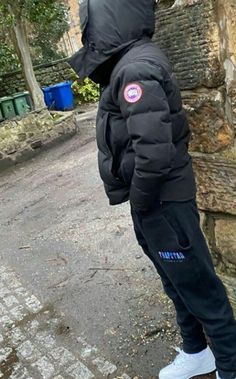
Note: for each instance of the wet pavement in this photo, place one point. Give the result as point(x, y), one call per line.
point(78, 299)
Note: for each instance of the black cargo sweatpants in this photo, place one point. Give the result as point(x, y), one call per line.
point(171, 236)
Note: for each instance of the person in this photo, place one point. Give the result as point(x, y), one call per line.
point(142, 137)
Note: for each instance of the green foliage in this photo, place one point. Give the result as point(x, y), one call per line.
point(33, 10)
point(45, 38)
point(85, 91)
point(5, 18)
point(8, 59)
point(50, 20)
point(45, 21)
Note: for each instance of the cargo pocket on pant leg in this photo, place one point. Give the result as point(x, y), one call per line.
point(183, 236)
point(163, 236)
point(172, 251)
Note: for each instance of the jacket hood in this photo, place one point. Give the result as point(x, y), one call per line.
point(108, 27)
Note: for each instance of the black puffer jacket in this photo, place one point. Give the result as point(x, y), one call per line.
point(142, 130)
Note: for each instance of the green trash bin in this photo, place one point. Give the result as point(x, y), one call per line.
point(29, 100)
point(21, 104)
point(7, 107)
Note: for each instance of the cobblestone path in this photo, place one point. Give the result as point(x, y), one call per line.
point(30, 343)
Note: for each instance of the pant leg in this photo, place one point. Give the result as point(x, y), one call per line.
point(191, 329)
point(176, 243)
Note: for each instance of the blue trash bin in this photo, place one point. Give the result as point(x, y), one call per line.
point(63, 96)
point(48, 97)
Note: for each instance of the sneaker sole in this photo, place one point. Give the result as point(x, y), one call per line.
point(210, 371)
point(209, 375)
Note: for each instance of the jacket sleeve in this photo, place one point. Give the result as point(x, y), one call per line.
point(144, 105)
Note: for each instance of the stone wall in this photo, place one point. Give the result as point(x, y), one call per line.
point(46, 75)
point(199, 38)
point(22, 138)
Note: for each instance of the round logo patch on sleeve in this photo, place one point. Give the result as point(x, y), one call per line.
point(133, 93)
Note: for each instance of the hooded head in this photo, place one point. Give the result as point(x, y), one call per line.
point(108, 27)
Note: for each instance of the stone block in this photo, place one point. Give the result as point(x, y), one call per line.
point(21, 137)
point(225, 233)
point(80, 371)
point(232, 104)
point(4, 353)
point(227, 25)
point(44, 368)
point(189, 35)
point(216, 180)
point(208, 227)
point(230, 284)
point(211, 131)
point(36, 144)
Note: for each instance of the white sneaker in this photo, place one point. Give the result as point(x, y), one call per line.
point(185, 366)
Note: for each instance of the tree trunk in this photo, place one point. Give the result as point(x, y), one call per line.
point(22, 49)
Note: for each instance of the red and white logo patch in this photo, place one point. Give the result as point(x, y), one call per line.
point(133, 93)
